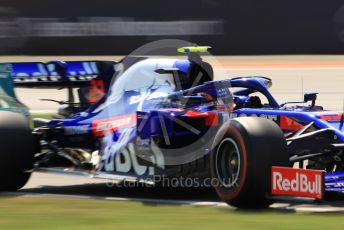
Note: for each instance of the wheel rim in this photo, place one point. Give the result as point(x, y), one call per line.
point(228, 163)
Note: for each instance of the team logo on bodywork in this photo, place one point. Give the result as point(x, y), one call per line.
point(297, 182)
point(104, 126)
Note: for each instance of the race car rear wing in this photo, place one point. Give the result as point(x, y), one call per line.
point(57, 74)
point(53, 74)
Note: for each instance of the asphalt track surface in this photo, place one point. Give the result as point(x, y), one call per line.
point(291, 76)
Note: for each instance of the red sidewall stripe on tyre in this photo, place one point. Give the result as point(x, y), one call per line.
point(233, 131)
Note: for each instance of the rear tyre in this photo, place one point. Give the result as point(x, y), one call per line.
point(244, 150)
point(16, 151)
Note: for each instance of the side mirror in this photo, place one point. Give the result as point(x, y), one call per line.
point(310, 97)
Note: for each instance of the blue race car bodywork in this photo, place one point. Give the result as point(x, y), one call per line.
point(300, 115)
point(145, 117)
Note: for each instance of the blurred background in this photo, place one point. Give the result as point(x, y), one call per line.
point(297, 43)
point(88, 27)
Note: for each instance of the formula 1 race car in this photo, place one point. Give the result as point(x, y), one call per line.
point(143, 119)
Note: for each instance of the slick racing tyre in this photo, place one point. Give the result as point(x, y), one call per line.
point(243, 152)
point(16, 151)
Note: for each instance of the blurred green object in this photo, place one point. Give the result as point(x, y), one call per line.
point(8, 99)
point(58, 213)
point(6, 80)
